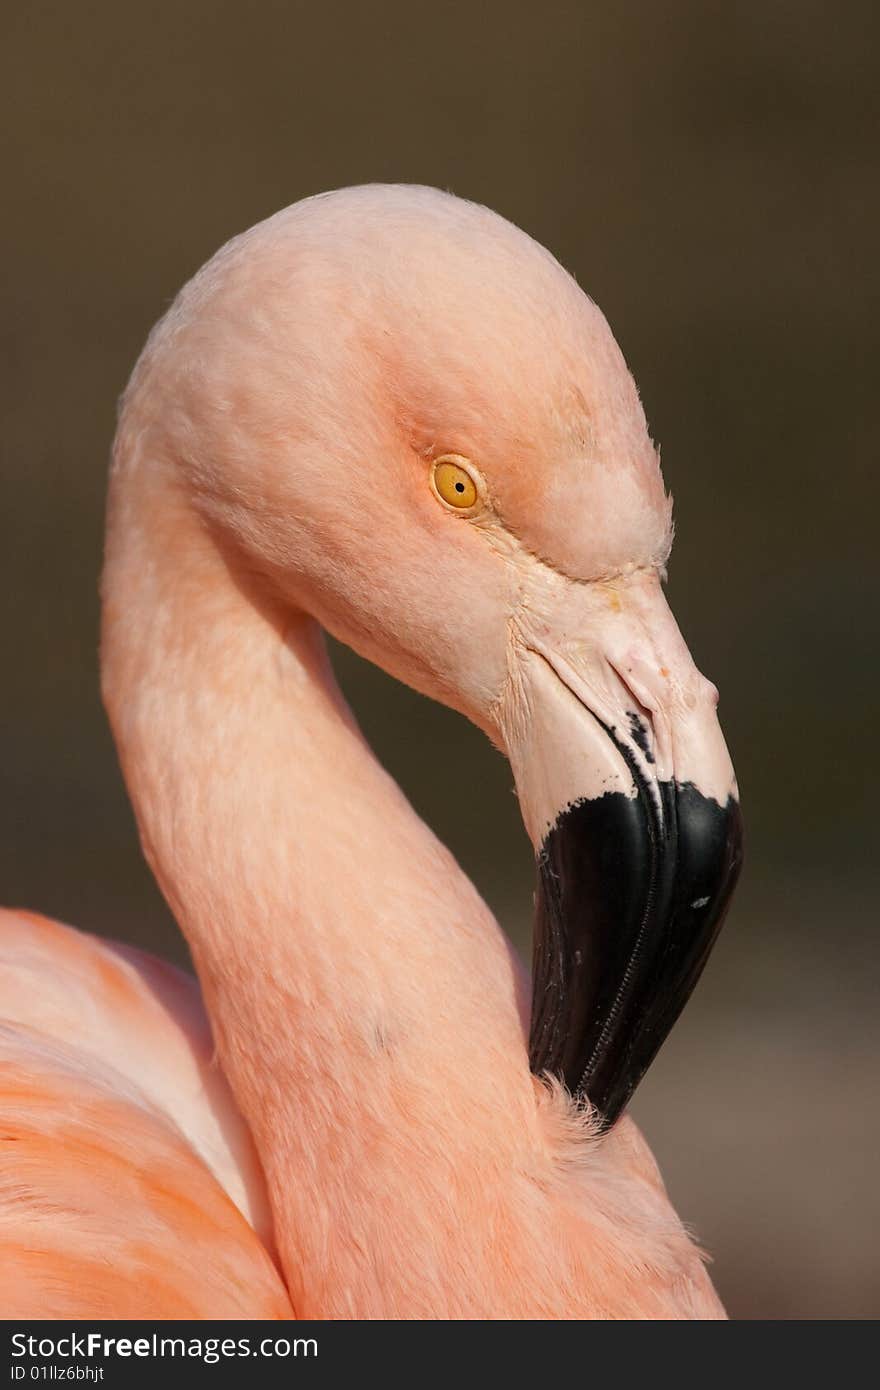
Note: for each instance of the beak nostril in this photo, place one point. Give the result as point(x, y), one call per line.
point(641, 734)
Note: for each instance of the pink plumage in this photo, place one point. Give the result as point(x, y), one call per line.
point(368, 1140)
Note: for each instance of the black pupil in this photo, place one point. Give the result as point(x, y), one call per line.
point(459, 487)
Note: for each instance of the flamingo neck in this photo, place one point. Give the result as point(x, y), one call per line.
point(367, 1010)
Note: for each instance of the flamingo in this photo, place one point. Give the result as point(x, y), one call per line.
point(387, 413)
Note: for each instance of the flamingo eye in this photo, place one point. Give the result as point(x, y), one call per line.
point(453, 484)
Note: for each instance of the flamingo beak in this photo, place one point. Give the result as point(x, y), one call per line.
point(629, 796)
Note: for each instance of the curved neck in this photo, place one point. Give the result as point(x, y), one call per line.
point(368, 1012)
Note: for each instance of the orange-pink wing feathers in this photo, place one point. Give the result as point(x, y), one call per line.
point(128, 1182)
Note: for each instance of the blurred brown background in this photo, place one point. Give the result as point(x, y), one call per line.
point(705, 170)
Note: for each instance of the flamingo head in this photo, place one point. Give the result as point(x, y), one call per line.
point(410, 422)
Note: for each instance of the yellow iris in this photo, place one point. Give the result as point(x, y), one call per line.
point(454, 483)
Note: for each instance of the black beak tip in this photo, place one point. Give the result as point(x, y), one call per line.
point(632, 892)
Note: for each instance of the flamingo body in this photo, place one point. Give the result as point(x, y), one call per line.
point(129, 1187)
point(127, 1179)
